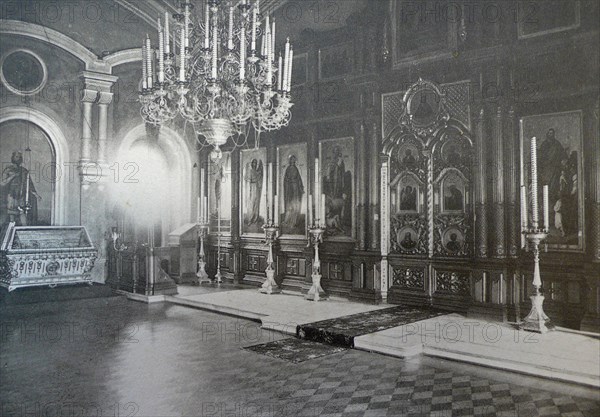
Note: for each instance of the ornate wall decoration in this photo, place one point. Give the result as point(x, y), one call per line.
point(409, 277)
point(295, 266)
point(560, 166)
point(392, 105)
point(458, 97)
point(425, 109)
point(23, 72)
point(408, 235)
point(455, 283)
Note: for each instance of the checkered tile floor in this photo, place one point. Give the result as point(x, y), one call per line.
point(355, 383)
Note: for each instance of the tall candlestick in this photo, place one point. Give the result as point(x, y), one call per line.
point(205, 209)
point(202, 182)
point(317, 190)
point(207, 27)
point(167, 34)
point(546, 209)
point(524, 208)
point(199, 216)
point(534, 183)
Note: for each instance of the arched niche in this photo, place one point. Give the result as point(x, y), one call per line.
point(58, 145)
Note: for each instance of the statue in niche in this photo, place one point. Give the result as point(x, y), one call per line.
point(293, 190)
point(254, 184)
point(18, 191)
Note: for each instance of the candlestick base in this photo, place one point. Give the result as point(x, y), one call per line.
point(536, 321)
point(316, 292)
point(218, 277)
point(201, 274)
point(270, 286)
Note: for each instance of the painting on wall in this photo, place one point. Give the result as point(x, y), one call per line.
point(453, 193)
point(219, 187)
point(543, 17)
point(453, 240)
point(406, 195)
point(253, 188)
point(335, 61)
point(337, 179)
point(28, 174)
point(292, 185)
point(560, 167)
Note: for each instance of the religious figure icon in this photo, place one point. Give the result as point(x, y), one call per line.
point(409, 159)
point(338, 192)
point(19, 193)
point(408, 242)
point(253, 178)
point(453, 193)
point(453, 240)
point(408, 199)
point(453, 156)
point(293, 190)
point(558, 170)
point(453, 245)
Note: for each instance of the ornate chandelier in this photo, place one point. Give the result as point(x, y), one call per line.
point(216, 78)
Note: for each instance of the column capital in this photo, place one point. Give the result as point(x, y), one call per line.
point(105, 98)
point(97, 81)
point(89, 96)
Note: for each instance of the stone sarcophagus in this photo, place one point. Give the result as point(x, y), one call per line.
point(50, 255)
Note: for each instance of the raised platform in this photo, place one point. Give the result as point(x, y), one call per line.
point(32, 295)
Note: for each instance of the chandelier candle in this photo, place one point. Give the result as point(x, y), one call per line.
point(254, 21)
point(286, 64)
point(207, 27)
point(279, 75)
point(144, 68)
point(230, 32)
point(167, 35)
point(161, 54)
point(534, 183)
point(149, 61)
point(182, 57)
point(289, 86)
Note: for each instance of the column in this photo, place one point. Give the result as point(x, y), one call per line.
point(375, 184)
point(236, 254)
point(385, 226)
point(88, 98)
point(512, 191)
point(498, 186)
point(361, 189)
point(480, 186)
point(104, 100)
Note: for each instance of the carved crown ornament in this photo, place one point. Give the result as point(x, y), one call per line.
point(424, 110)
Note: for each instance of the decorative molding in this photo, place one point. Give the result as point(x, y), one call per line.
point(408, 277)
point(453, 282)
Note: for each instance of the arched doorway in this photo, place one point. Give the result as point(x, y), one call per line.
point(153, 184)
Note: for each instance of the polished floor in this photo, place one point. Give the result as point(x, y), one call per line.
point(113, 357)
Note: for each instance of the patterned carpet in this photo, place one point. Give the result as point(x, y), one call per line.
point(295, 350)
point(341, 331)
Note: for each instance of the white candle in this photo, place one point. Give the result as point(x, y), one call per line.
point(534, 183)
point(254, 22)
point(182, 57)
point(289, 86)
point(186, 26)
point(524, 206)
point(310, 210)
point(273, 41)
point(263, 47)
point(286, 64)
point(205, 209)
point(323, 212)
point(144, 67)
point(202, 173)
point(215, 45)
point(149, 60)
point(199, 216)
point(27, 189)
point(275, 210)
point(207, 27)
point(161, 54)
point(230, 32)
point(279, 75)
point(242, 53)
point(546, 209)
point(317, 191)
point(167, 34)
point(268, 53)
